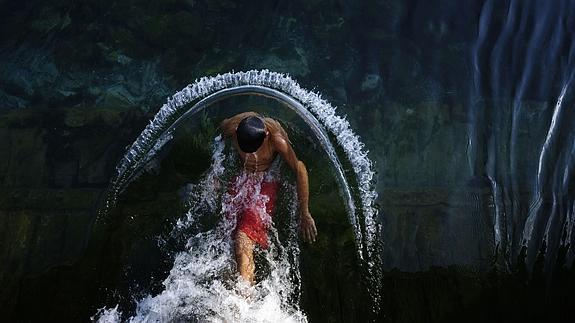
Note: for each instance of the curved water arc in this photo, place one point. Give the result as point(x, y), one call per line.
point(159, 131)
point(295, 106)
point(212, 89)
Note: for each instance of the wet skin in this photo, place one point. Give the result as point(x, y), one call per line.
point(275, 142)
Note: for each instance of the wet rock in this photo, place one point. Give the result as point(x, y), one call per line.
point(16, 230)
point(26, 70)
point(65, 148)
point(156, 29)
point(116, 96)
point(64, 173)
point(221, 4)
point(119, 57)
point(187, 23)
point(8, 101)
point(370, 82)
point(36, 224)
point(416, 140)
point(50, 21)
point(39, 230)
point(96, 160)
point(297, 67)
point(75, 118)
point(214, 63)
point(437, 228)
point(129, 43)
point(336, 86)
point(109, 117)
point(27, 151)
point(94, 91)
point(32, 74)
point(4, 153)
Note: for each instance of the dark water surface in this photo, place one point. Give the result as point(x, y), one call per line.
point(466, 108)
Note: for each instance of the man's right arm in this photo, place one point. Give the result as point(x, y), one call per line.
point(307, 223)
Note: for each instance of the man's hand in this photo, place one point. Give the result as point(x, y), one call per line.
point(307, 227)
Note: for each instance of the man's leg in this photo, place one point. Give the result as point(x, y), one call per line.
point(245, 256)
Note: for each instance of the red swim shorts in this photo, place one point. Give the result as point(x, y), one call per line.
point(253, 209)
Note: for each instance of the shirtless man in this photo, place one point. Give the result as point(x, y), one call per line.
point(258, 140)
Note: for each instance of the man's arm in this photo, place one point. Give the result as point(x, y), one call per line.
point(307, 224)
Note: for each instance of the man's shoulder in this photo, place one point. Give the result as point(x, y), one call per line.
point(274, 122)
point(275, 128)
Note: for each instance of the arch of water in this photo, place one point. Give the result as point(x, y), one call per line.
point(318, 114)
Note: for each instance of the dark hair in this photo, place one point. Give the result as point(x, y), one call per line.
point(250, 133)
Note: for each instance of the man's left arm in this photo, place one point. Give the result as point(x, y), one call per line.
point(307, 224)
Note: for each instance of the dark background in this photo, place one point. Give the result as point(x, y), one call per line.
point(450, 97)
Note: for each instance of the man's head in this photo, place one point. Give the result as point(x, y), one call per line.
point(251, 133)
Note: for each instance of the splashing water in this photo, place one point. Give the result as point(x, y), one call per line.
point(318, 114)
point(203, 284)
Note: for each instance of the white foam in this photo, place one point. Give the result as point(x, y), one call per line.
point(107, 315)
point(203, 284)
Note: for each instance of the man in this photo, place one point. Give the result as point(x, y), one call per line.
point(258, 141)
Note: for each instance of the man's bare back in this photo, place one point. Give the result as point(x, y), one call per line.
point(275, 142)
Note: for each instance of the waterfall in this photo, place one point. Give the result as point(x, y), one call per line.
point(511, 75)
